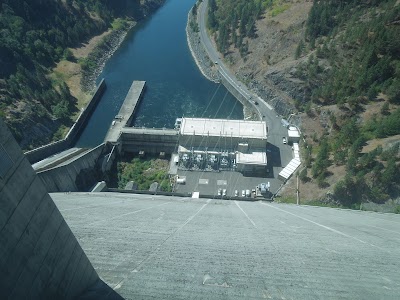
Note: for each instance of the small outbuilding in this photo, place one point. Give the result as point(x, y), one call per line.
point(293, 135)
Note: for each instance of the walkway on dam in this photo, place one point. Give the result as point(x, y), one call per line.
point(61, 158)
point(126, 111)
point(158, 247)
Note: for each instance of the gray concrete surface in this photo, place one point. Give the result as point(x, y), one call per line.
point(76, 173)
point(126, 111)
point(208, 183)
point(154, 247)
point(39, 256)
point(57, 159)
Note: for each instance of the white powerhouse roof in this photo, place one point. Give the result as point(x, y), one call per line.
point(222, 127)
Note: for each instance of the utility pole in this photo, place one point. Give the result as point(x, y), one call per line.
point(297, 190)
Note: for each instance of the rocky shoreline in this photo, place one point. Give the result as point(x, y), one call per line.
point(198, 52)
point(107, 48)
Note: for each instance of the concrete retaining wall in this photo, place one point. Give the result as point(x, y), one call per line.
point(42, 152)
point(81, 122)
point(77, 175)
point(149, 140)
point(72, 136)
point(234, 91)
point(40, 258)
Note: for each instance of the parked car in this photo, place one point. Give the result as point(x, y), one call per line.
point(243, 193)
point(236, 193)
point(248, 193)
point(219, 192)
point(224, 192)
point(284, 140)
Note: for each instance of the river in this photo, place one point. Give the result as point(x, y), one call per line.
point(156, 51)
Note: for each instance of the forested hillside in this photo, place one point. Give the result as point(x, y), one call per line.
point(36, 34)
point(233, 21)
point(354, 62)
point(360, 43)
point(342, 75)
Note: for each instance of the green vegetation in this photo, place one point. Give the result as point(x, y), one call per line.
point(144, 172)
point(372, 176)
point(350, 58)
point(36, 34)
point(353, 56)
point(193, 22)
point(120, 24)
point(384, 126)
point(278, 9)
point(233, 21)
point(291, 200)
point(356, 48)
point(322, 204)
point(90, 63)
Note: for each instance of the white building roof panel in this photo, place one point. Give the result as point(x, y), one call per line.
point(254, 158)
point(293, 133)
point(290, 168)
point(223, 127)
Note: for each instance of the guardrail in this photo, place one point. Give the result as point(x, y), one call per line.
point(186, 195)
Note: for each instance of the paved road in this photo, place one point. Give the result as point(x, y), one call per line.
point(154, 247)
point(275, 130)
point(264, 108)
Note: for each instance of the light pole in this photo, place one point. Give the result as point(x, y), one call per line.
point(298, 191)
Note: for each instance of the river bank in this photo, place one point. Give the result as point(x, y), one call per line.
point(157, 51)
point(203, 62)
point(100, 54)
point(82, 83)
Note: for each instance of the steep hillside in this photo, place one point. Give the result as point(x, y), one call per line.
point(34, 36)
point(337, 65)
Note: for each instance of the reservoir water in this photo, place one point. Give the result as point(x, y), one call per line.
point(156, 51)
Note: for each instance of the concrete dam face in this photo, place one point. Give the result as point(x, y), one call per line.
point(40, 258)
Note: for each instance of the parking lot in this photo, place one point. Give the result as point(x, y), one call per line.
point(208, 183)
